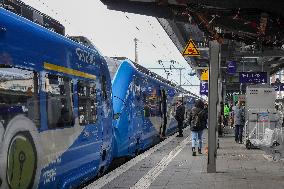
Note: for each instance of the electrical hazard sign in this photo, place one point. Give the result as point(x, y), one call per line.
point(190, 49)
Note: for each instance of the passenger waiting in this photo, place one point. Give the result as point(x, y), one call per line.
point(239, 122)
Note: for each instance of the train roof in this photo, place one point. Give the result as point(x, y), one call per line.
point(41, 51)
point(119, 60)
point(32, 14)
point(114, 62)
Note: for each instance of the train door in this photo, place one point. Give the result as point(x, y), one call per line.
point(146, 112)
point(137, 113)
point(90, 121)
point(68, 137)
point(164, 112)
point(152, 117)
point(107, 115)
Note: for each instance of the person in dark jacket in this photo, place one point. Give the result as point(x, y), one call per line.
point(198, 122)
point(180, 111)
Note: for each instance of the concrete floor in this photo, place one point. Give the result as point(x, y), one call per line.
point(172, 166)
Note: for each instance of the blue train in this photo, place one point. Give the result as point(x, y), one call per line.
point(143, 106)
point(65, 114)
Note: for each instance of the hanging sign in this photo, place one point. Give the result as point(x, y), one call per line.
point(204, 88)
point(232, 67)
point(190, 49)
point(253, 77)
point(204, 75)
point(278, 86)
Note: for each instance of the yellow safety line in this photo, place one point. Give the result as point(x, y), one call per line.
point(69, 71)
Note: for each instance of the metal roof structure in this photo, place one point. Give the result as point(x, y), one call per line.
point(251, 32)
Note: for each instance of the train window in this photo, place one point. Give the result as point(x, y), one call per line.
point(87, 103)
point(18, 94)
point(59, 101)
point(137, 88)
point(104, 87)
point(152, 104)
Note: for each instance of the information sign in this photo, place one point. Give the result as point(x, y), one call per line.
point(232, 67)
point(253, 77)
point(278, 86)
point(204, 75)
point(204, 88)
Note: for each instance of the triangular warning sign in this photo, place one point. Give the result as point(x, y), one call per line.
point(190, 49)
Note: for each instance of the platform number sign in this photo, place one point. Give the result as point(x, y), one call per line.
point(204, 88)
point(253, 77)
point(190, 49)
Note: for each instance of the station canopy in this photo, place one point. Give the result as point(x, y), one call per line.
point(250, 32)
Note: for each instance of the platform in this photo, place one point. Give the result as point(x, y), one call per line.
point(170, 165)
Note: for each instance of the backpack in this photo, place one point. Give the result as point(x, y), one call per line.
point(196, 121)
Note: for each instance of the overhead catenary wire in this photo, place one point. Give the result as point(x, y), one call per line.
point(154, 41)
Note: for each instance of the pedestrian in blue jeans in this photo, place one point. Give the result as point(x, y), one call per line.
point(239, 122)
point(198, 122)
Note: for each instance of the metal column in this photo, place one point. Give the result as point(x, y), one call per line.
point(213, 99)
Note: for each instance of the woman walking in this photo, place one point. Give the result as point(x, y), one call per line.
point(198, 122)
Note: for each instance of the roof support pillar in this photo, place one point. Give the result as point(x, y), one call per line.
point(213, 100)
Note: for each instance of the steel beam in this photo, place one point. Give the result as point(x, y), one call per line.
point(213, 99)
point(257, 54)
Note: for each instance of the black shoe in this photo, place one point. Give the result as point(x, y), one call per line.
point(199, 151)
point(193, 151)
point(240, 142)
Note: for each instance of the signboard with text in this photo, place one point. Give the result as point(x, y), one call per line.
point(278, 86)
point(204, 75)
point(253, 77)
point(204, 88)
point(232, 67)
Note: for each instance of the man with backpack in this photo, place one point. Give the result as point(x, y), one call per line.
point(198, 121)
point(180, 117)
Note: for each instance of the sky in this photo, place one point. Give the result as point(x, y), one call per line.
point(113, 33)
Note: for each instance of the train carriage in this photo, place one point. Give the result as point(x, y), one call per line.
point(55, 108)
point(144, 108)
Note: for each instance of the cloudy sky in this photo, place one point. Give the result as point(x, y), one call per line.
point(113, 32)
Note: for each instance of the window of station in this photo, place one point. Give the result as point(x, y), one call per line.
point(87, 103)
point(18, 94)
point(59, 101)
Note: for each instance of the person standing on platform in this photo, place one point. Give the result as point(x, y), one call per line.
point(226, 114)
point(239, 122)
point(198, 122)
point(180, 111)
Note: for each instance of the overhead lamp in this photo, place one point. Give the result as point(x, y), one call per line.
point(251, 57)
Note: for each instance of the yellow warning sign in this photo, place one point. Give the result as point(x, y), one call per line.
point(190, 49)
point(204, 75)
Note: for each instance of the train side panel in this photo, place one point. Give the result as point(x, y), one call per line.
point(66, 79)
